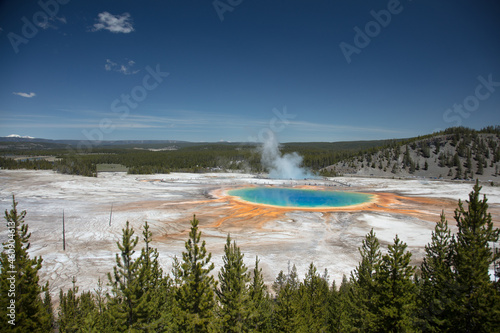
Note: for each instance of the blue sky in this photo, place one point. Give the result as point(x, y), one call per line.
point(235, 69)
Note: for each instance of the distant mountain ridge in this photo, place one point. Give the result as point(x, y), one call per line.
point(18, 138)
point(27, 142)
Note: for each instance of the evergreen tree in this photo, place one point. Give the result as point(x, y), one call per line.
point(280, 282)
point(155, 294)
point(232, 292)
point(362, 306)
point(68, 306)
point(195, 297)
point(125, 300)
point(78, 312)
point(286, 303)
point(335, 308)
point(47, 304)
point(22, 308)
point(468, 164)
point(394, 168)
point(260, 314)
point(340, 308)
point(476, 307)
point(407, 161)
point(456, 160)
point(436, 282)
point(480, 168)
point(458, 174)
point(313, 300)
point(396, 293)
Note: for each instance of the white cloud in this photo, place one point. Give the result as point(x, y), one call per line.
point(120, 68)
point(311, 126)
point(19, 136)
point(110, 65)
point(27, 95)
point(114, 23)
point(48, 24)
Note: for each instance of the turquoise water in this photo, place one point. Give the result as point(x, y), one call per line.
point(304, 198)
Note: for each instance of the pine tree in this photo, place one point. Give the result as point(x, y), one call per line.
point(313, 298)
point(125, 282)
point(458, 174)
point(78, 312)
point(362, 305)
point(232, 292)
point(436, 282)
point(260, 314)
point(334, 310)
point(469, 163)
point(477, 302)
point(47, 304)
point(396, 292)
point(154, 309)
point(343, 317)
point(480, 168)
point(286, 305)
point(407, 161)
point(280, 282)
point(394, 168)
point(456, 160)
point(195, 297)
point(22, 308)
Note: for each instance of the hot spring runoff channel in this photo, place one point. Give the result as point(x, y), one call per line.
point(300, 198)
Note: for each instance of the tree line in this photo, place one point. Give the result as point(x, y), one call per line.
point(472, 155)
point(450, 291)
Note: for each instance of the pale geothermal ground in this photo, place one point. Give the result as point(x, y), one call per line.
point(330, 239)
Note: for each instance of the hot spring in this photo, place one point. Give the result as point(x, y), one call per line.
point(300, 198)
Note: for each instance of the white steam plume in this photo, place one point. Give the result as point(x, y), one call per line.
point(280, 166)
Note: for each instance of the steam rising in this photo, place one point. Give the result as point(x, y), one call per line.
point(280, 166)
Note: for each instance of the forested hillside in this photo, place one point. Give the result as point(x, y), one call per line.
point(451, 291)
point(456, 153)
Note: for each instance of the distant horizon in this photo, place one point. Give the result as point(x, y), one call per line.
point(226, 141)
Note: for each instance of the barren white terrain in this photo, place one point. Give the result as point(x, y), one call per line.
point(329, 238)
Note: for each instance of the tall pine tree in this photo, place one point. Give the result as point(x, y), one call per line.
point(287, 301)
point(155, 294)
point(436, 281)
point(361, 301)
point(396, 292)
point(477, 302)
point(260, 302)
point(22, 308)
point(125, 299)
point(313, 300)
point(232, 293)
point(195, 297)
